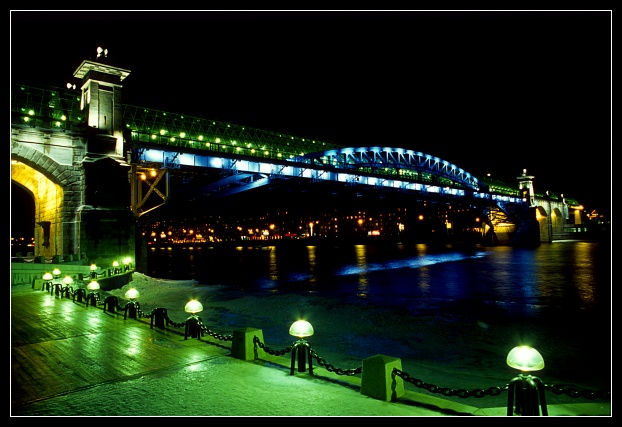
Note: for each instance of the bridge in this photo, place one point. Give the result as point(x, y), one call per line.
point(97, 168)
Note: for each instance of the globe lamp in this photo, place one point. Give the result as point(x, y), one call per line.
point(525, 391)
point(301, 329)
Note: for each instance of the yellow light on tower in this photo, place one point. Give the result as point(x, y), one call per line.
point(102, 52)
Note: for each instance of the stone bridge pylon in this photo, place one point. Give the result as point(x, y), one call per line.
point(74, 166)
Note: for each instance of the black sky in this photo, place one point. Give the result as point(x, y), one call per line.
point(491, 92)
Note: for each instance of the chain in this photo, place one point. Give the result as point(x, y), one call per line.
point(331, 368)
point(269, 351)
point(566, 389)
point(215, 335)
point(320, 361)
point(559, 389)
point(492, 391)
point(142, 314)
point(572, 391)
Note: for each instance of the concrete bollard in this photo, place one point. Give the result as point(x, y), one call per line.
point(377, 380)
point(242, 346)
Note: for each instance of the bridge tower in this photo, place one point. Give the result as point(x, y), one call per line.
point(106, 222)
point(68, 153)
point(101, 100)
point(525, 184)
point(528, 231)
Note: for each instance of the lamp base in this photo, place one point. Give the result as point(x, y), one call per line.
point(304, 353)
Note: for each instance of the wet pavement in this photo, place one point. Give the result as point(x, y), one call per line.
point(73, 359)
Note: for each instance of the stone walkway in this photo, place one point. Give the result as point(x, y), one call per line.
point(70, 359)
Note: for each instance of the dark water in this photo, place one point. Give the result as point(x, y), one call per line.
point(448, 308)
point(557, 277)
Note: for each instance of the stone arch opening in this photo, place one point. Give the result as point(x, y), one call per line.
point(48, 198)
point(22, 220)
point(557, 220)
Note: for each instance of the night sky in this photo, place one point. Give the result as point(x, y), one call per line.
point(491, 92)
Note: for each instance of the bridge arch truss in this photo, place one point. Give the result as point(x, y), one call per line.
point(400, 162)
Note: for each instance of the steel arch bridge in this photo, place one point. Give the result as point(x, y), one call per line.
point(169, 141)
point(172, 145)
point(180, 148)
point(382, 169)
point(196, 159)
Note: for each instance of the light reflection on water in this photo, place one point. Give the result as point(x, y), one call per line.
point(450, 315)
point(361, 263)
point(565, 275)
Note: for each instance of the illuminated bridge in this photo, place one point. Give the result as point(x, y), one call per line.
point(97, 167)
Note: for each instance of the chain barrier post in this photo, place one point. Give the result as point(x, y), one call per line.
point(93, 296)
point(525, 391)
point(133, 306)
point(529, 393)
point(301, 329)
point(193, 323)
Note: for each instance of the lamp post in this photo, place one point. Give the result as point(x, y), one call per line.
point(63, 288)
point(115, 267)
point(93, 268)
point(133, 306)
point(529, 390)
point(56, 280)
point(127, 264)
point(301, 329)
point(93, 296)
point(47, 281)
point(193, 323)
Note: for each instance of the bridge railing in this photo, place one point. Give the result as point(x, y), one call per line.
point(46, 107)
point(168, 128)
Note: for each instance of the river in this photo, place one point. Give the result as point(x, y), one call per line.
point(451, 314)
